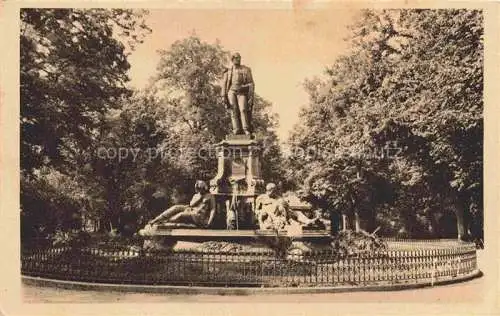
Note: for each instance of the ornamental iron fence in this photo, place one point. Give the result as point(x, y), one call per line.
point(397, 265)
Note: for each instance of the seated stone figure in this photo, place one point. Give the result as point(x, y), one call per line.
point(273, 212)
point(200, 211)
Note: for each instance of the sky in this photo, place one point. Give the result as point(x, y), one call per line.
point(283, 47)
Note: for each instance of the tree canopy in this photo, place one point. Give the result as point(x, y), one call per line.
point(73, 69)
point(399, 120)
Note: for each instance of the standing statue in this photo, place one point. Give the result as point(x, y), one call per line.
point(200, 212)
point(238, 93)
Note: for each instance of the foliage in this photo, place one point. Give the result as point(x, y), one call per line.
point(125, 164)
point(50, 202)
point(187, 83)
point(73, 73)
point(349, 242)
point(73, 69)
point(398, 120)
point(73, 238)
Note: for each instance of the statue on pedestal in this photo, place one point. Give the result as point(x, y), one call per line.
point(199, 212)
point(238, 93)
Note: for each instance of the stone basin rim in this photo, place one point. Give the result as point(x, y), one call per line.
point(192, 232)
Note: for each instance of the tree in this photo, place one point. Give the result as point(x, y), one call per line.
point(73, 69)
point(412, 84)
point(51, 202)
point(131, 166)
point(73, 72)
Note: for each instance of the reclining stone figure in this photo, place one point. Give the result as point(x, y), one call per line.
point(273, 212)
point(199, 213)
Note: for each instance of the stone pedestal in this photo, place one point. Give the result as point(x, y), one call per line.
point(238, 180)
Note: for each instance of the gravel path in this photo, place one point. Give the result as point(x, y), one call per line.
point(447, 293)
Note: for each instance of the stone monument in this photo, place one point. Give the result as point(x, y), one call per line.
point(238, 180)
point(236, 188)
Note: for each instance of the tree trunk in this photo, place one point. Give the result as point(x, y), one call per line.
point(335, 222)
point(345, 222)
point(112, 218)
point(459, 212)
point(357, 226)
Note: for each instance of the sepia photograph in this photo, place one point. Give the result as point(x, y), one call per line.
point(299, 153)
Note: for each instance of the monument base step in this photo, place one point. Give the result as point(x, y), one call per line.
point(232, 234)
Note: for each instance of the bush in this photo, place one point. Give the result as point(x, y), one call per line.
point(73, 238)
point(349, 242)
point(46, 208)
